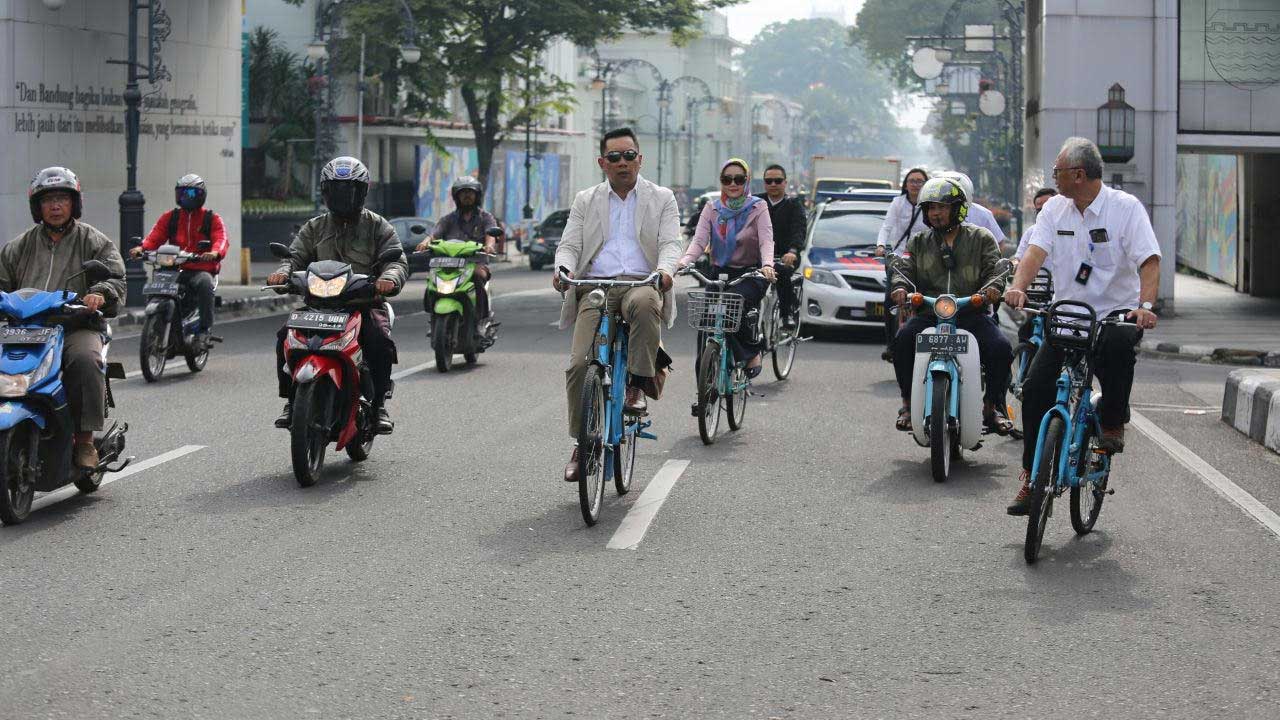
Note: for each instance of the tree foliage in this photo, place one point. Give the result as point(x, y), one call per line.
point(884, 25)
point(848, 100)
point(490, 51)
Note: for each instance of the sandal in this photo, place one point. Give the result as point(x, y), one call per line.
point(904, 420)
point(998, 424)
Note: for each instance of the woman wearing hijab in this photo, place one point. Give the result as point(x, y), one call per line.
point(903, 220)
point(737, 232)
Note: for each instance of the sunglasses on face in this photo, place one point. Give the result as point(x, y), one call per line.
point(733, 179)
point(615, 156)
point(774, 181)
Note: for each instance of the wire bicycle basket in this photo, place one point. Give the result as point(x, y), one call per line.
point(710, 311)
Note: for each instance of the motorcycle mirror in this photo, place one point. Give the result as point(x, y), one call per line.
point(494, 232)
point(417, 230)
point(204, 246)
point(390, 255)
point(280, 250)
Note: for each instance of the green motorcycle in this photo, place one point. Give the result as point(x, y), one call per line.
point(450, 300)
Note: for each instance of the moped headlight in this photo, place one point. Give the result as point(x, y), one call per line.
point(166, 260)
point(14, 385)
point(944, 307)
point(595, 299)
point(446, 286)
point(321, 288)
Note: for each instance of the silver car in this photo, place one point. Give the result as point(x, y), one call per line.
point(844, 282)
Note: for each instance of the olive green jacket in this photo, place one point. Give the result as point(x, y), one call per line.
point(976, 259)
point(33, 260)
point(357, 243)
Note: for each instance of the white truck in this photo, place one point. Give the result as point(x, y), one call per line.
point(838, 174)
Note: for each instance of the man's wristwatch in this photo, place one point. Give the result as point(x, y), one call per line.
point(1146, 306)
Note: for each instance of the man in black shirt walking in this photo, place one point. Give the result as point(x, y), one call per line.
point(789, 220)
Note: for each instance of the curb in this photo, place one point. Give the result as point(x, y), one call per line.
point(240, 307)
point(1251, 404)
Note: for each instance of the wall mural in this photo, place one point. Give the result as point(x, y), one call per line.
point(1208, 218)
point(504, 193)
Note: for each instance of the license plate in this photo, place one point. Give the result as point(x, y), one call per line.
point(448, 262)
point(26, 335)
point(938, 343)
point(875, 310)
point(313, 320)
point(162, 283)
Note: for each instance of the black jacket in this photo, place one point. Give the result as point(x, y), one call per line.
point(789, 222)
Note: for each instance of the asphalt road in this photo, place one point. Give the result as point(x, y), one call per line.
point(804, 567)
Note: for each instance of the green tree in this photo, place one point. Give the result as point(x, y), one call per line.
point(279, 97)
point(848, 100)
point(884, 25)
point(489, 50)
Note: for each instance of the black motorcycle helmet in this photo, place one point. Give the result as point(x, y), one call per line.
point(344, 185)
point(48, 180)
point(190, 192)
point(467, 182)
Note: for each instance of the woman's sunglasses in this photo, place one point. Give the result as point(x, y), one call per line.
point(733, 179)
point(774, 181)
point(615, 156)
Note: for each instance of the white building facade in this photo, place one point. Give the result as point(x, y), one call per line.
point(63, 105)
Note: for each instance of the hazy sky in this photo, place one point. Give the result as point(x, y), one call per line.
point(748, 18)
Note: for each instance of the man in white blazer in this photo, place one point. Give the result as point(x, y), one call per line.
point(623, 228)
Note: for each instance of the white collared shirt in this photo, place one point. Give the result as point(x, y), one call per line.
point(982, 217)
point(896, 220)
point(621, 253)
point(1064, 233)
point(1023, 242)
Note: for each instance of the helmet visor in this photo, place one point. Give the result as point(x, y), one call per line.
point(189, 198)
point(345, 199)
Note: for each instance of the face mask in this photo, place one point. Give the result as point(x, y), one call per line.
point(345, 199)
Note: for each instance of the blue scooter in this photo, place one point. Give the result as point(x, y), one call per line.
point(36, 427)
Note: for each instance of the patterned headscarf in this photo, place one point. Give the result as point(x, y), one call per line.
point(731, 216)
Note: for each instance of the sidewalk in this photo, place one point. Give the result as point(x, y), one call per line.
point(1214, 323)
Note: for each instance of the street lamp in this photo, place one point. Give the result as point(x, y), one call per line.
point(1116, 127)
point(409, 53)
point(317, 51)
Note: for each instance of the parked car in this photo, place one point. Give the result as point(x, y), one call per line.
point(546, 238)
point(405, 227)
point(856, 193)
point(844, 282)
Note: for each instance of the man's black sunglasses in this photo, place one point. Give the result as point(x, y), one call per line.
point(733, 180)
point(616, 155)
point(774, 181)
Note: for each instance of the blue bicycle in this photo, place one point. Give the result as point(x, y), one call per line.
point(716, 313)
point(1040, 292)
point(1067, 455)
point(606, 437)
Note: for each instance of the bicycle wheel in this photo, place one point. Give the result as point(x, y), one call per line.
point(1021, 364)
point(1042, 489)
point(591, 447)
point(708, 396)
point(940, 440)
point(736, 403)
point(624, 463)
point(1087, 497)
point(783, 346)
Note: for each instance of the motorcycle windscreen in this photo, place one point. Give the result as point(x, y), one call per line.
point(970, 393)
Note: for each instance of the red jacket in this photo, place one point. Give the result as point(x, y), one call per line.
point(188, 237)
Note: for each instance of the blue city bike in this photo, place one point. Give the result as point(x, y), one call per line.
point(606, 436)
point(722, 382)
point(1067, 455)
point(1039, 292)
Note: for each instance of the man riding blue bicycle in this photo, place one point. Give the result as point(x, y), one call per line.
point(623, 228)
point(1100, 247)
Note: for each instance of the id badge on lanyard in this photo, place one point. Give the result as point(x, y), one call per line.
point(1096, 237)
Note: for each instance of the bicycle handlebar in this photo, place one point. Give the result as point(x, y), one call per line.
point(691, 270)
point(562, 274)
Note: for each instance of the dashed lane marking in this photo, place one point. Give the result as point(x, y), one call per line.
point(636, 523)
point(1209, 475)
point(61, 494)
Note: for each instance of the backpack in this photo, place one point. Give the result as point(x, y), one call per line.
point(206, 226)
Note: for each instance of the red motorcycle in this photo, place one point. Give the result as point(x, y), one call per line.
point(331, 383)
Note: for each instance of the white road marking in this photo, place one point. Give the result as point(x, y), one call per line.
point(411, 370)
point(1209, 475)
point(63, 493)
point(636, 523)
point(132, 374)
point(231, 321)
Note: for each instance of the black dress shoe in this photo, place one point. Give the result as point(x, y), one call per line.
point(385, 426)
point(286, 416)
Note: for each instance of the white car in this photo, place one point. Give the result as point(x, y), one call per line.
point(844, 282)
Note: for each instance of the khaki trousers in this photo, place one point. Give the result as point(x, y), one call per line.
point(82, 376)
point(641, 307)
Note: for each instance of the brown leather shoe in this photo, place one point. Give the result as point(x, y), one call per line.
point(571, 470)
point(635, 404)
point(85, 456)
point(1112, 440)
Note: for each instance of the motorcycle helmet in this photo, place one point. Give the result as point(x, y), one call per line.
point(947, 191)
point(965, 183)
point(190, 192)
point(466, 182)
point(48, 180)
point(344, 185)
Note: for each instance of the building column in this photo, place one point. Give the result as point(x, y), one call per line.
point(1164, 142)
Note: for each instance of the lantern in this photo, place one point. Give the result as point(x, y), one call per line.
point(1115, 127)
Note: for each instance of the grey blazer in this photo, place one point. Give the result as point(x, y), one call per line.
point(657, 229)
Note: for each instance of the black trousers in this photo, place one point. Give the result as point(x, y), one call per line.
point(200, 284)
point(379, 354)
point(752, 291)
point(995, 352)
point(786, 290)
point(1114, 357)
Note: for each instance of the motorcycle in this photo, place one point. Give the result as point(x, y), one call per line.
point(945, 417)
point(450, 299)
point(172, 314)
point(332, 386)
point(36, 427)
